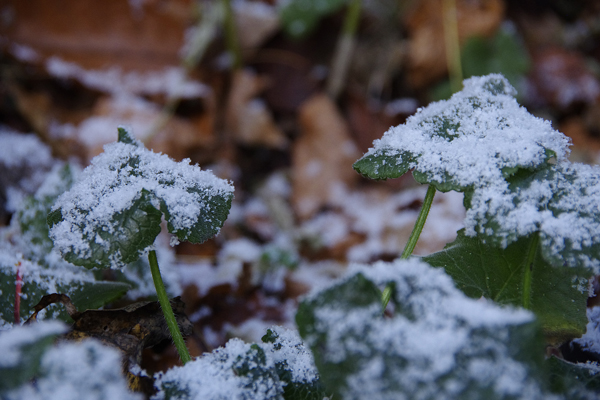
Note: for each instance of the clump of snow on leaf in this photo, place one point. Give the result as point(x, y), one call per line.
point(78, 370)
point(222, 374)
point(471, 138)
point(562, 202)
point(438, 344)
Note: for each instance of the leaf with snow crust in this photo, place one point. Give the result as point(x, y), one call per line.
point(39, 280)
point(80, 370)
point(557, 296)
point(236, 371)
point(22, 347)
point(577, 381)
point(561, 202)
point(437, 344)
point(112, 215)
point(479, 136)
point(294, 365)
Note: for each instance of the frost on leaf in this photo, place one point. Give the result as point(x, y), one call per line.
point(113, 214)
point(294, 364)
point(39, 280)
point(478, 136)
point(79, 370)
point(561, 202)
point(437, 344)
point(238, 371)
point(22, 348)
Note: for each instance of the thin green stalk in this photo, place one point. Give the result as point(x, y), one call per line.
point(165, 304)
point(528, 273)
point(420, 223)
point(413, 239)
point(452, 44)
point(231, 37)
point(344, 50)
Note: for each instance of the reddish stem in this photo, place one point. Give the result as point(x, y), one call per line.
point(19, 283)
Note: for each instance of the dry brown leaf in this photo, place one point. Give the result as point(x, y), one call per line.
point(95, 34)
point(322, 157)
point(248, 118)
point(427, 53)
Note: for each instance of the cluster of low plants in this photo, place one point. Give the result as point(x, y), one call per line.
point(482, 319)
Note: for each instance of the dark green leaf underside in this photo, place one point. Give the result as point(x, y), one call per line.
point(481, 269)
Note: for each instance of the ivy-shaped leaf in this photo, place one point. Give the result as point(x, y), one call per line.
point(473, 139)
point(559, 201)
point(112, 215)
point(518, 275)
point(437, 343)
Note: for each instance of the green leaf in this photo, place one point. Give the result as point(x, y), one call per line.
point(39, 281)
point(125, 136)
point(472, 140)
point(136, 228)
point(300, 17)
point(559, 201)
point(576, 381)
point(386, 164)
point(112, 215)
point(518, 275)
point(436, 343)
point(22, 348)
point(237, 371)
point(32, 215)
point(294, 365)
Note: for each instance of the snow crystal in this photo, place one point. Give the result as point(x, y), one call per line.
point(212, 376)
point(85, 370)
point(111, 184)
point(437, 345)
point(470, 138)
point(14, 340)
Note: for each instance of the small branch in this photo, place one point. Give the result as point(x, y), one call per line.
point(344, 49)
point(413, 239)
point(452, 44)
point(165, 304)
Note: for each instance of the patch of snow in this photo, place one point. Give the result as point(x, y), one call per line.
point(85, 370)
point(171, 82)
point(14, 340)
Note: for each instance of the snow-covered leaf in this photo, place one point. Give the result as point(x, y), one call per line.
point(576, 381)
point(79, 285)
point(22, 348)
point(557, 296)
point(112, 215)
point(294, 365)
point(561, 201)
point(84, 370)
point(479, 136)
point(237, 371)
point(437, 344)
